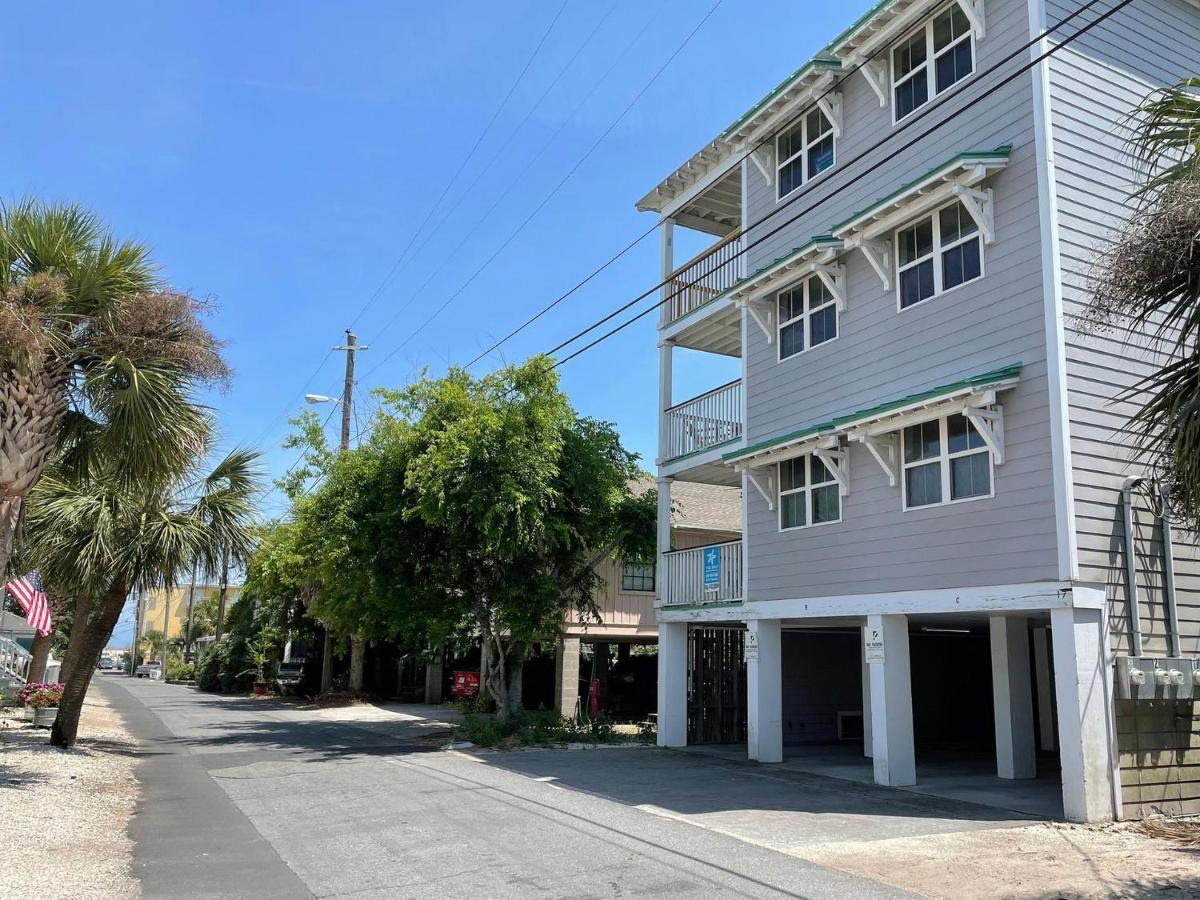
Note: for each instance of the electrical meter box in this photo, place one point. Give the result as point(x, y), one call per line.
point(1156, 678)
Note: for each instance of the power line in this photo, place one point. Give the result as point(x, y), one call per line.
point(853, 180)
point(545, 200)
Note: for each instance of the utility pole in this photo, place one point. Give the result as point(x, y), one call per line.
point(187, 638)
point(166, 626)
point(350, 348)
point(139, 596)
point(224, 593)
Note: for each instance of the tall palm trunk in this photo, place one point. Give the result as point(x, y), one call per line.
point(83, 609)
point(31, 411)
point(357, 651)
point(41, 655)
point(96, 633)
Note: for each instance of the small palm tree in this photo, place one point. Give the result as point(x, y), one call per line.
point(1149, 281)
point(109, 535)
point(96, 355)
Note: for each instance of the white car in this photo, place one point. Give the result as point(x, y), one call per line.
point(148, 670)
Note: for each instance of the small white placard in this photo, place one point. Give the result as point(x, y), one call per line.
point(873, 645)
point(751, 646)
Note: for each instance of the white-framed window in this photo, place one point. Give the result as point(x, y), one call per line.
point(808, 493)
point(931, 60)
point(945, 461)
point(937, 254)
point(803, 151)
point(637, 576)
point(808, 316)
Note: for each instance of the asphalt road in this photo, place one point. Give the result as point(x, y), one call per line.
point(241, 798)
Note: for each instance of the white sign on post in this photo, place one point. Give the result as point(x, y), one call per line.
point(751, 645)
point(873, 644)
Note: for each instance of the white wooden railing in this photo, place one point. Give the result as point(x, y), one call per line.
point(704, 277)
point(684, 575)
point(705, 421)
point(14, 659)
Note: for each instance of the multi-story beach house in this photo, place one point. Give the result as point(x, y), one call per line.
point(949, 552)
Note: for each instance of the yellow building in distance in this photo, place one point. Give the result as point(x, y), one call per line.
point(167, 610)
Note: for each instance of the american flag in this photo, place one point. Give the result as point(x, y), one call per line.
point(30, 594)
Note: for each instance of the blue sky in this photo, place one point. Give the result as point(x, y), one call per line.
point(280, 159)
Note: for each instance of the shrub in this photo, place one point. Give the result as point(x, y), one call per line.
point(541, 728)
point(208, 672)
point(180, 671)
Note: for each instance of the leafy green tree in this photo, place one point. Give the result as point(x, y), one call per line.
point(1148, 280)
point(152, 644)
point(108, 535)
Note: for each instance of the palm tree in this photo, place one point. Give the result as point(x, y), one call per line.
point(1149, 280)
point(109, 535)
point(96, 355)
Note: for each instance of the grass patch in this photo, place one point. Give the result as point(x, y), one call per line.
point(542, 728)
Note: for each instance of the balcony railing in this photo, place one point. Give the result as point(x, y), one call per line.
point(705, 421)
point(689, 577)
point(703, 278)
point(14, 660)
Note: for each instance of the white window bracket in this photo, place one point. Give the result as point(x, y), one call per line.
point(875, 71)
point(837, 462)
point(831, 105)
point(883, 449)
point(979, 204)
point(990, 425)
point(834, 278)
point(879, 255)
point(763, 160)
point(762, 318)
point(973, 10)
point(767, 490)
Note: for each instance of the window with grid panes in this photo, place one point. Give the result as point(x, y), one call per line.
point(807, 316)
point(933, 59)
point(937, 254)
point(808, 493)
point(945, 460)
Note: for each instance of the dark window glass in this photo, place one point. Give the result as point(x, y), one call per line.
point(916, 284)
point(818, 293)
point(791, 339)
point(961, 434)
point(960, 264)
point(909, 55)
point(820, 156)
point(791, 304)
point(970, 476)
point(823, 325)
point(817, 124)
point(637, 577)
point(826, 504)
point(791, 474)
point(790, 142)
point(791, 176)
point(951, 24)
point(916, 241)
point(922, 441)
point(792, 510)
point(923, 484)
point(911, 94)
point(820, 472)
point(954, 65)
point(955, 222)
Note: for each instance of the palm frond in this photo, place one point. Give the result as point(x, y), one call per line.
point(1166, 136)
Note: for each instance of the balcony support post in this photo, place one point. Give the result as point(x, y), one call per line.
point(666, 233)
point(764, 690)
point(665, 377)
point(672, 684)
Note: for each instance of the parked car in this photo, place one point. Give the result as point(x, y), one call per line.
point(106, 663)
point(148, 670)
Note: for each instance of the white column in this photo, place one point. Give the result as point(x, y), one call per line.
point(666, 233)
point(665, 396)
point(1044, 685)
point(891, 702)
point(764, 690)
point(1083, 689)
point(672, 684)
point(868, 749)
point(1012, 697)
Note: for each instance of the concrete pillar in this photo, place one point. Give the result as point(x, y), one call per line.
point(602, 658)
point(868, 749)
point(435, 677)
point(1044, 686)
point(1083, 690)
point(566, 676)
point(672, 684)
point(764, 690)
point(891, 701)
point(1012, 697)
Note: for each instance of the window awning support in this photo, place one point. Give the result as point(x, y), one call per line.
point(762, 317)
point(879, 255)
point(883, 449)
point(979, 204)
point(831, 105)
point(834, 278)
point(768, 489)
point(763, 160)
point(876, 73)
point(990, 425)
point(836, 461)
point(973, 10)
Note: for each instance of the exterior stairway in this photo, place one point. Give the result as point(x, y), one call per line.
point(14, 666)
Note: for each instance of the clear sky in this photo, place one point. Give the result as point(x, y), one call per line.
point(282, 158)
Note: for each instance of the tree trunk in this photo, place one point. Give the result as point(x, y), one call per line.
point(497, 678)
point(10, 514)
point(516, 672)
point(223, 595)
point(96, 636)
point(83, 606)
point(41, 654)
point(357, 651)
point(327, 661)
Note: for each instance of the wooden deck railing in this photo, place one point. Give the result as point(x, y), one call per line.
point(703, 278)
point(683, 576)
point(705, 421)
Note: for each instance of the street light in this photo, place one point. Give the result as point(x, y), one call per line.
point(320, 398)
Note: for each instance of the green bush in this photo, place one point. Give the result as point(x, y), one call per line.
point(208, 671)
point(540, 728)
point(180, 671)
point(234, 656)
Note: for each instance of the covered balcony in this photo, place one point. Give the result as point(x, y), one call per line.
point(711, 574)
point(712, 420)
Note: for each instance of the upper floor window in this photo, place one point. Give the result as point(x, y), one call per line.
point(938, 253)
point(808, 493)
point(804, 151)
point(637, 577)
point(807, 317)
point(945, 460)
point(938, 56)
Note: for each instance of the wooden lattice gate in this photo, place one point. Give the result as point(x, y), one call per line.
point(716, 685)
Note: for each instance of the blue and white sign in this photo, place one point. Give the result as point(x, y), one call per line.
point(712, 567)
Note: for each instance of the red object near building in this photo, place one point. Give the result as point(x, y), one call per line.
point(464, 684)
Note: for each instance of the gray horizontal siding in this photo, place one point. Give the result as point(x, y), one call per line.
point(1095, 85)
point(883, 354)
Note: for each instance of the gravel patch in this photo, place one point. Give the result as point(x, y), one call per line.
point(63, 814)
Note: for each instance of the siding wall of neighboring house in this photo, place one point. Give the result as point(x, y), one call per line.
point(882, 354)
point(1095, 84)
